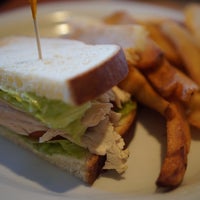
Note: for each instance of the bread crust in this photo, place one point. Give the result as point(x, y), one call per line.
point(106, 75)
point(94, 168)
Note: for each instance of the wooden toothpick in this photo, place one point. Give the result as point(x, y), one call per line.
point(34, 14)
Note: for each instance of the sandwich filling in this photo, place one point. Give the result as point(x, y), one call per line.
point(55, 127)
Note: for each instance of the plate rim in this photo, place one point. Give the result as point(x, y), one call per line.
point(43, 6)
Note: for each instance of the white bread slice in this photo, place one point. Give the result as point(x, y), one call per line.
point(96, 32)
point(70, 70)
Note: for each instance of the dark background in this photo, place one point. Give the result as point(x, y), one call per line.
point(12, 4)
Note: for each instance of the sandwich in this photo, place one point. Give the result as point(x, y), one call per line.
point(67, 107)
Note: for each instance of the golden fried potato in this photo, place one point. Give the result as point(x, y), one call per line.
point(164, 43)
point(178, 146)
point(119, 17)
point(186, 47)
point(148, 57)
point(194, 110)
point(192, 19)
point(169, 81)
point(139, 87)
point(194, 118)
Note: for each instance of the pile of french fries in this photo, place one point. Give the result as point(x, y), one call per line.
point(166, 77)
point(170, 83)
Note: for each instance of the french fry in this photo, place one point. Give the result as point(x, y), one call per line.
point(138, 86)
point(192, 19)
point(148, 57)
point(194, 110)
point(169, 81)
point(186, 46)
point(163, 42)
point(178, 146)
point(119, 17)
point(194, 118)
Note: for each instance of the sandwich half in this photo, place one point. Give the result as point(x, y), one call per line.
point(66, 108)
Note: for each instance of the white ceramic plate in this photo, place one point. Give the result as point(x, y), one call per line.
point(24, 176)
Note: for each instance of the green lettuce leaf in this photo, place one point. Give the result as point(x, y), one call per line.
point(53, 113)
point(58, 115)
point(127, 107)
point(63, 147)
